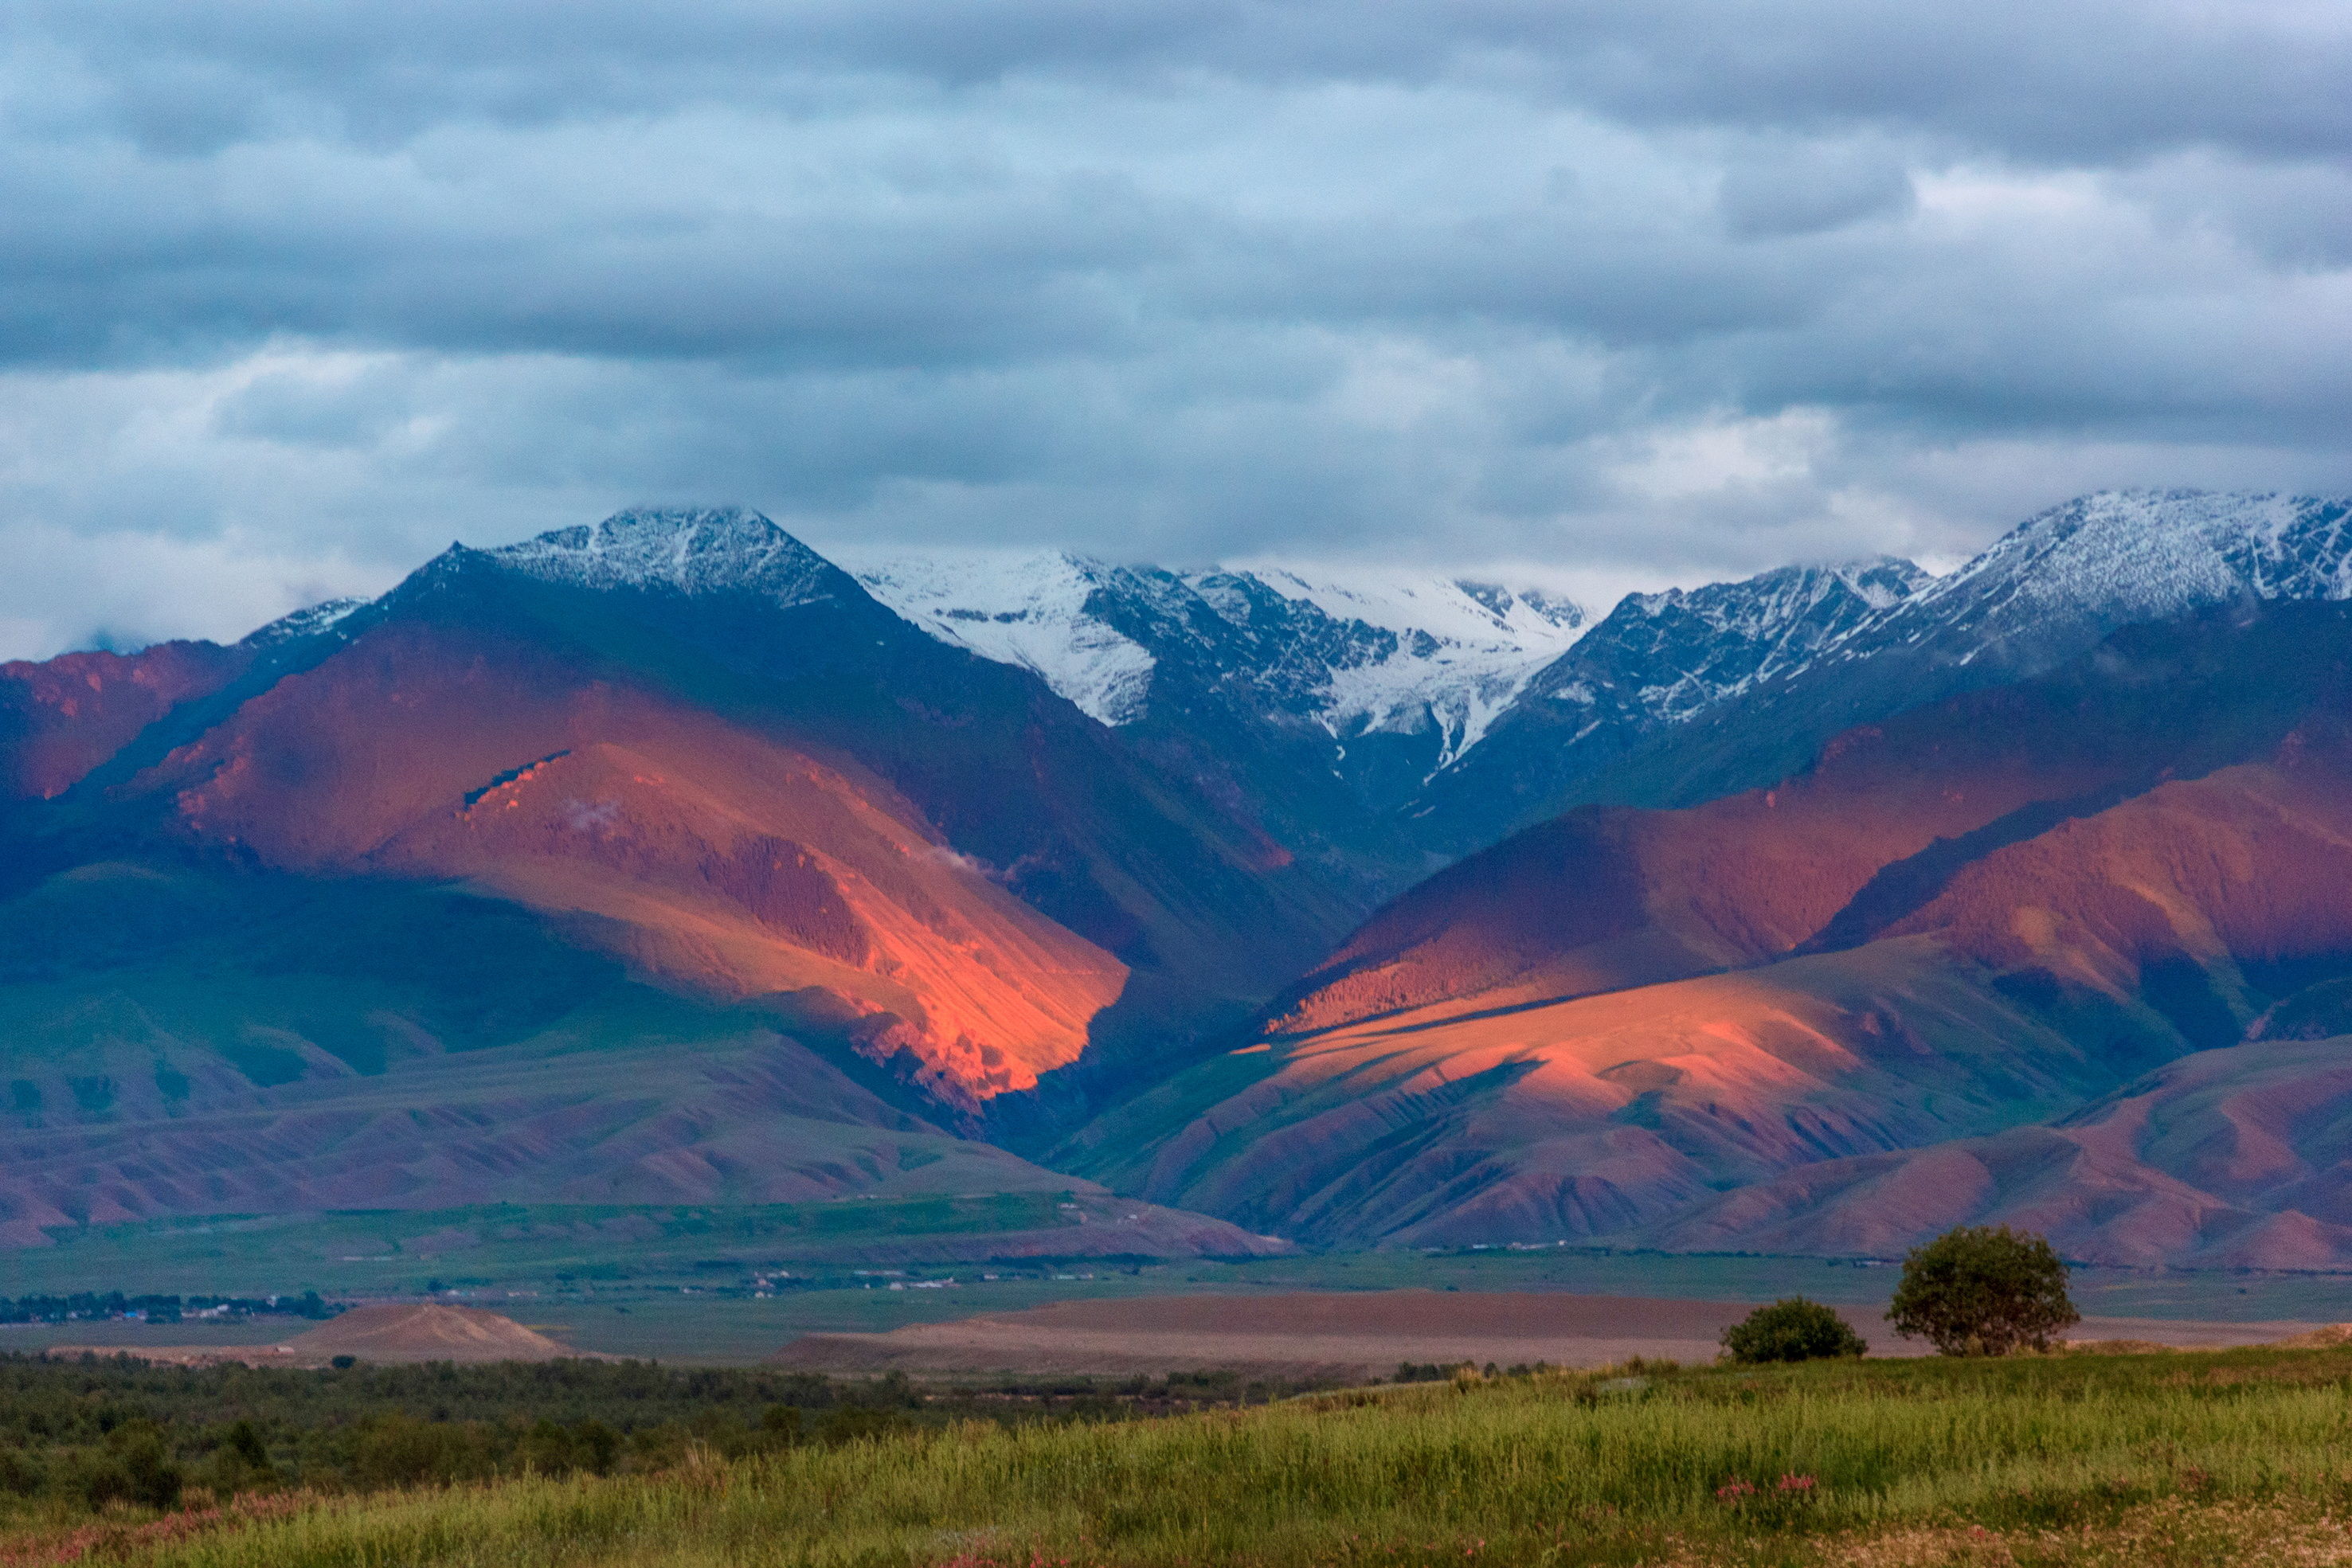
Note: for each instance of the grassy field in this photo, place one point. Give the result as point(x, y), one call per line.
point(2230, 1457)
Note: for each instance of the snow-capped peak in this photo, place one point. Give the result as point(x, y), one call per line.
point(2066, 577)
point(1778, 597)
point(2158, 552)
point(1669, 655)
point(694, 550)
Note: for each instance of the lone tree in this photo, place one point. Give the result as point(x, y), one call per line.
point(1983, 1290)
point(1792, 1329)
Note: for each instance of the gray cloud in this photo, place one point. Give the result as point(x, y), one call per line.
point(1615, 295)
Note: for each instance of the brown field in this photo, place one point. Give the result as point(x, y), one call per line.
point(1355, 1334)
point(380, 1332)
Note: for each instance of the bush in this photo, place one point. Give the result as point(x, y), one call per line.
point(1792, 1329)
point(151, 1478)
point(240, 1462)
point(19, 1475)
point(246, 1443)
point(1983, 1291)
point(92, 1478)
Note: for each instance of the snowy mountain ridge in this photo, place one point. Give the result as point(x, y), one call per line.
point(2068, 575)
point(1400, 679)
point(1352, 652)
point(1684, 649)
point(1781, 661)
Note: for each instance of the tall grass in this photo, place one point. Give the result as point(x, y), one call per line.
point(1554, 1470)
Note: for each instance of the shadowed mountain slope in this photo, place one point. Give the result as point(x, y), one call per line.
point(2233, 1158)
point(1981, 913)
point(1652, 666)
point(206, 1040)
point(61, 718)
point(1606, 897)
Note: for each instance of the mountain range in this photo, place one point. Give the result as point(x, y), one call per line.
point(665, 860)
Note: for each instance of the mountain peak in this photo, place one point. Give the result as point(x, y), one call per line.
point(693, 550)
point(2066, 577)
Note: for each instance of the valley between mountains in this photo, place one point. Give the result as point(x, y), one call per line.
point(664, 861)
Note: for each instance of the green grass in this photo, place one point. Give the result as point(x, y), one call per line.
point(2066, 1459)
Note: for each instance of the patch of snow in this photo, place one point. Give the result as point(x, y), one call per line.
point(305, 622)
point(2153, 553)
point(1358, 651)
point(1023, 608)
point(1464, 650)
point(1457, 610)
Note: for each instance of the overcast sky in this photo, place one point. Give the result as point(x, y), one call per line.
point(292, 293)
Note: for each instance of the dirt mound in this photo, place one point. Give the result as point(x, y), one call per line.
point(380, 1331)
point(2327, 1336)
point(425, 1331)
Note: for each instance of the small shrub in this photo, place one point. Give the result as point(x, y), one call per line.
point(547, 1449)
point(240, 1462)
point(597, 1446)
point(19, 1474)
point(92, 1477)
point(1983, 1291)
point(152, 1479)
point(244, 1442)
point(1792, 1329)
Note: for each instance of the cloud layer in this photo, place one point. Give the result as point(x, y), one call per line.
point(1608, 295)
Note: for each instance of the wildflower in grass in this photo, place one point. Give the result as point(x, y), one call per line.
point(1733, 1491)
point(1797, 1486)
